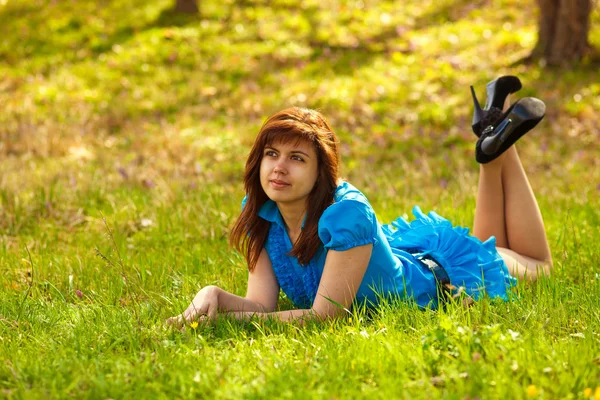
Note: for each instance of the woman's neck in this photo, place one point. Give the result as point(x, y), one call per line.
point(293, 216)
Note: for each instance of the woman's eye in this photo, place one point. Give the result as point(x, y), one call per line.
point(270, 153)
point(297, 158)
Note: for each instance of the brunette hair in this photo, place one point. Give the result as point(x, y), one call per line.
point(249, 234)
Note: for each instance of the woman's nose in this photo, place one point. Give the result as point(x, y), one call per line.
point(279, 167)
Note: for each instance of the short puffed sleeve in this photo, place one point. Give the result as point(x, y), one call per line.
point(347, 224)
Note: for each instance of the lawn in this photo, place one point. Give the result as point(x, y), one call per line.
point(123, 136)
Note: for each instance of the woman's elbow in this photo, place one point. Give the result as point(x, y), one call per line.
point(266, 306)
point(327, 314)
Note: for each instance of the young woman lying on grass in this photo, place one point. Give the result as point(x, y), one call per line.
point(307, 232)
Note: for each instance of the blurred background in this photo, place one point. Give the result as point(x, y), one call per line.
point(144, 110)
point(124, 128)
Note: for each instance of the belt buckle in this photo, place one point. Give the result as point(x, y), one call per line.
point(432, 265)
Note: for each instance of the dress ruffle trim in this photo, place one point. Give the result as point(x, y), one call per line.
point(471, 264)
point(299, 284)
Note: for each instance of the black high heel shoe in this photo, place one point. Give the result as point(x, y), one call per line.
point(497, 91)
point(519, 119)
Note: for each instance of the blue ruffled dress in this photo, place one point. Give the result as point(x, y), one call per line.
point(395, 268)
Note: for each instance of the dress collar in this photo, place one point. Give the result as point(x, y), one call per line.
point(270, 212)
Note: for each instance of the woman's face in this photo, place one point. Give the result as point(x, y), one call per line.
point(288, 172)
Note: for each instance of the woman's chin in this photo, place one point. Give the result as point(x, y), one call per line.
point(277, 196)
point(281, 196)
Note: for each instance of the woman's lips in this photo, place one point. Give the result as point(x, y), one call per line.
point(279, 184)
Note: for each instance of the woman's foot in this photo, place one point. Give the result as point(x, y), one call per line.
point(519, 119)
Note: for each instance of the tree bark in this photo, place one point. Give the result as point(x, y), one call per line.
point(563, 31)
point(186, 6)
point(546, 26)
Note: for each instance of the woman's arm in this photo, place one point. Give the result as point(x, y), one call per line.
point(262, 293)
point(343, 273)
point(261, 296)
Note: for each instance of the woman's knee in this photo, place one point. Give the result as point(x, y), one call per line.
point(525, 267)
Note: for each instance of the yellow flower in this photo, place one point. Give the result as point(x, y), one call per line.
point(350, 320)
point(194, 325)
point(597, 393)
point(587, 393)
point(532, 391)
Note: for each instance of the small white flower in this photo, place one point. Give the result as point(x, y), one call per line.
point(514, 335)
point(146, 222)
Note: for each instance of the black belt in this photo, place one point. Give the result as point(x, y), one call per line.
point(442, 279)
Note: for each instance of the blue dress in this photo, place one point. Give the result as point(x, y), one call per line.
point(395, 268)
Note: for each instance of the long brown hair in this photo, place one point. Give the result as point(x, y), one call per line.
point(249, 234)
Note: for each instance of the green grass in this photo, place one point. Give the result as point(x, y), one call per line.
point(120, 115)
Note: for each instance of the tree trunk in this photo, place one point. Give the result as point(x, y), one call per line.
point(186, 6)
point(546, 26)
point(563, 31)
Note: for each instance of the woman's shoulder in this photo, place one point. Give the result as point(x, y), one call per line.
point(349, 221)
point(347, 192)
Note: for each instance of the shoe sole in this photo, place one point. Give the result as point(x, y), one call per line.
point(525, 115)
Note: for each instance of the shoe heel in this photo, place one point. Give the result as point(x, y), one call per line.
point(478, 113)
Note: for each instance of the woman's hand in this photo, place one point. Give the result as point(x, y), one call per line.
point(204, 305)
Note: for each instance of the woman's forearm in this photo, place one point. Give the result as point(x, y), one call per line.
point(229, 302)
point(284, 316)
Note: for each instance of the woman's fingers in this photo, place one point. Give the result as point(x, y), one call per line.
point(176, 321)
point(181, 320)
point(193, 311)
point(188, 315)
point(189, 312)
point(211, 312)
point(204, 307)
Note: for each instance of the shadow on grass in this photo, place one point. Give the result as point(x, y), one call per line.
point(171, 18)
point(449, 12)
point(61, 32)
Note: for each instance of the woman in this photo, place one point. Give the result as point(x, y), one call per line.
point(314, 236)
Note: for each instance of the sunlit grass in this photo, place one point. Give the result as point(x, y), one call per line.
point(120, 115)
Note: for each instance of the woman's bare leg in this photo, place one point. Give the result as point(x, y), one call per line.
point(489, 208)
point(507, 208)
